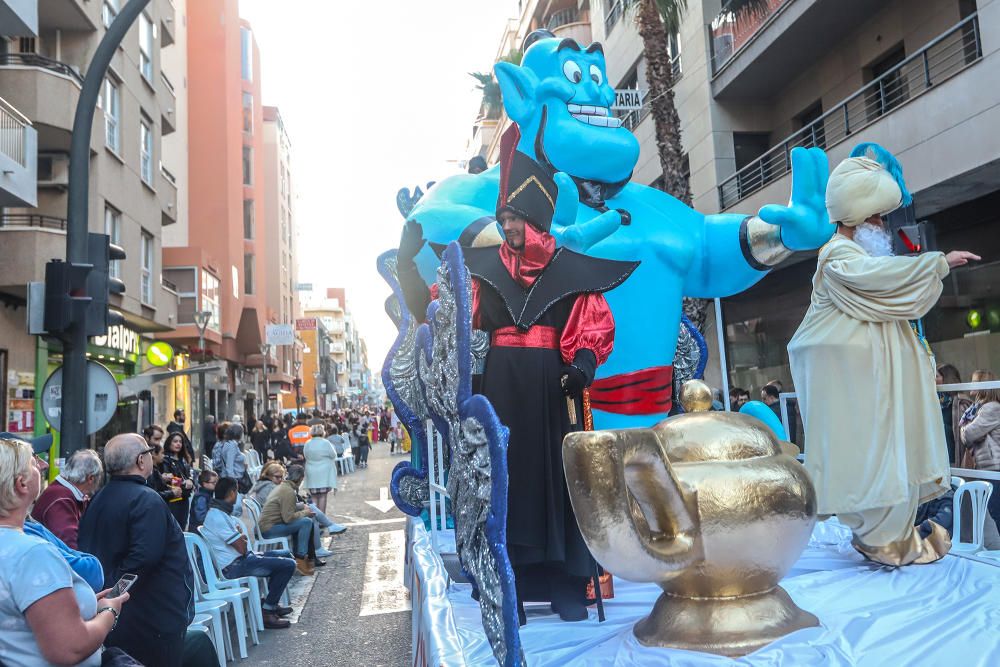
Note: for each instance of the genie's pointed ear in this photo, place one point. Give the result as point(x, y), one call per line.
point(517, 85)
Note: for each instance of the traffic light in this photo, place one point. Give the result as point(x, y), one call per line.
point(100, 285)
point(66, 296)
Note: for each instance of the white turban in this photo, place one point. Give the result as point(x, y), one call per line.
point(860, 188)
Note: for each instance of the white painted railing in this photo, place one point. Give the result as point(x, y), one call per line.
point(13, 132)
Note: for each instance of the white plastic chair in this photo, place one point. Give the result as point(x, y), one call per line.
point(214, 610)
point(253, 583)
point(979, 494)
point(957, 481)
point(210, 625)
point(345, 463)
point(212, 588)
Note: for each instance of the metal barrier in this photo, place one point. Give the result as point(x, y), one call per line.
point(35, 60)
point(942, 58)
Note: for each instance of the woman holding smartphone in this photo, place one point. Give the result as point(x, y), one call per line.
point(52, 613)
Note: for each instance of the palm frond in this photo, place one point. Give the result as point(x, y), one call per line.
point(671, 11)
point(744, 10)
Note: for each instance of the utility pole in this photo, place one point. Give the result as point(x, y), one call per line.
point(74, 398)
point(201, 320)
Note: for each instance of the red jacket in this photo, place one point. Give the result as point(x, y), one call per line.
point(59, 509)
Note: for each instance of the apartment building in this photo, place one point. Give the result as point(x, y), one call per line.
point(277, 251)
point(318, 390)
point(918, 76)
point(208, 257)
point(45, 50)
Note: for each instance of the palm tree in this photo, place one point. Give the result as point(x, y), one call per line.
point(492, 104)
point(657, 20)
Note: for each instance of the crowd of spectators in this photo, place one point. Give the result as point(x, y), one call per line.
point(124, 512)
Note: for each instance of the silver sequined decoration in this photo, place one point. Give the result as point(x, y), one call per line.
point(480, 348)
point(469, 470)
point(406, 381)
point(686, 357)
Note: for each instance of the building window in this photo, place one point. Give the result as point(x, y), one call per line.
point(111, 100)
point(813, 131)
point(146, 286)
point(247, 165)
point(246, 54)
point(248, 219)
point(109, 11)
point(146, 152)
point(248, 274)
point(185, 282)
point(113, 228)
point(893, 88)
point(210, 299)
point(146, 47)
point(248, 112)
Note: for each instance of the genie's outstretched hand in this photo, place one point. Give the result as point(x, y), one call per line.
point(579, 236)
point(804, 223)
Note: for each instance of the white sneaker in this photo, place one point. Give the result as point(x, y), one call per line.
point(323, 553)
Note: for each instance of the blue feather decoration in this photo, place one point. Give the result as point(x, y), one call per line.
point(878, 153)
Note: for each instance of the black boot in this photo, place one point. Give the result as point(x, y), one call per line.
point(568, 597)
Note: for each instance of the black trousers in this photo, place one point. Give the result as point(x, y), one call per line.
point(151, 648)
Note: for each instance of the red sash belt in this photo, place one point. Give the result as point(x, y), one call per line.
point(537, 336)
point(645, 392)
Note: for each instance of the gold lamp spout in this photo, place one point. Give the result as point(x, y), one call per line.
point(637, 519)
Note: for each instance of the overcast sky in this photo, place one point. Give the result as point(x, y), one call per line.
point(375, 96)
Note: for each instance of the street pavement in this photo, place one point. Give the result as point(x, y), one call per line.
point(364, 576)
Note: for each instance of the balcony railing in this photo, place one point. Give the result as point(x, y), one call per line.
point(944, 57)
point(730, 32)
point(615, 13)
point(13, 126)
point(563, 17)
point(35, 60)
point(32, 220)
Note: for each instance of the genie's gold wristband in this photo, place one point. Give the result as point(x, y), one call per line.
point(761, 244)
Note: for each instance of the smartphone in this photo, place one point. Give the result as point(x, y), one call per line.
point(122, 586)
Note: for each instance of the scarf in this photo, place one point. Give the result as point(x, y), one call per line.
point(226, 508)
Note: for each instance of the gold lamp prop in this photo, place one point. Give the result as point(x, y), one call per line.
point(708, 507)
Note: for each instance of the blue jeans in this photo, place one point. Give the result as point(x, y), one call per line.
point(277, 566)
point(322, 521)
point(300, 530)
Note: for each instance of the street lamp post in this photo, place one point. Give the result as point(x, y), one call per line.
point(265, 403)
point(316, 376)
point(201, 320)
point(297, 365)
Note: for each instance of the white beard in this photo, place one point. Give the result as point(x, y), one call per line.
point(875, 239)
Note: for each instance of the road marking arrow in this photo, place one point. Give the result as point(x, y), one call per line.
point(384, 502)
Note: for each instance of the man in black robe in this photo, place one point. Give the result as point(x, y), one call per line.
point(550, 328)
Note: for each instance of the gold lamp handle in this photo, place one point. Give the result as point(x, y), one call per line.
point(638, 520)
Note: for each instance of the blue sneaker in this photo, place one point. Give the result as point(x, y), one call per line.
point(337, 529)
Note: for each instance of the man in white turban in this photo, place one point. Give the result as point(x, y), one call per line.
point(875, 444)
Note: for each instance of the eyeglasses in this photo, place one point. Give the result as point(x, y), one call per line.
point(149, 450)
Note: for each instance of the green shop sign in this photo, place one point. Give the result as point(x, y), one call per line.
point(118, 342)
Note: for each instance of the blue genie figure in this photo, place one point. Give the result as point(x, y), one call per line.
point(560, 100)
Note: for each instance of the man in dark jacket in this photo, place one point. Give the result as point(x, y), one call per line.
point(131, 531)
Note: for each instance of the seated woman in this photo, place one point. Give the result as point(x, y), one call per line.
point(273, 474)
point(53, 613)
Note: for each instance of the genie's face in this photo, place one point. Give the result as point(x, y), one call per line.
point(561, 99)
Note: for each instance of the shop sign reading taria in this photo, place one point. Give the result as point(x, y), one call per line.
point(120, 339)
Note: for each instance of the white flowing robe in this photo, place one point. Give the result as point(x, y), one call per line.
point(865, 381)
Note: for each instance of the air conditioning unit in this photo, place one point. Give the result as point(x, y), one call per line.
point(53, 170)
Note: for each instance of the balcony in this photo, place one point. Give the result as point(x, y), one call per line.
point(166, 98)
point(166, 189)
point(615, 14)
point(18, 18)
point(29, 241)
point(44, 90)
point(571, 23)
point(168, 16)
point(750, 53)
point(923, 72)
point(82, 15)
point(18, 158)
